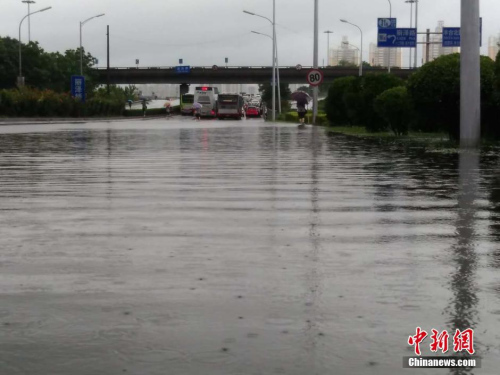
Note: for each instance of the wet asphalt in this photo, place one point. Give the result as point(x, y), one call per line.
point(239, 247)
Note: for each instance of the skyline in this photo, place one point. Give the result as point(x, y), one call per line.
point(157, 34)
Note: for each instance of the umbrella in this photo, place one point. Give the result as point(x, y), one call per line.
point(197, 105)
point(301, 96)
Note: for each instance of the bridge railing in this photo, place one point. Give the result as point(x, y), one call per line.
point(247, 67)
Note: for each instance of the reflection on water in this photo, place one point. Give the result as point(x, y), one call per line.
point(236, 247)
point(462, 310)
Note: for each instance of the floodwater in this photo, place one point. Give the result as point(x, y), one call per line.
point(224, 247)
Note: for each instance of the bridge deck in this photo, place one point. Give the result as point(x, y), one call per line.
point(228, 74)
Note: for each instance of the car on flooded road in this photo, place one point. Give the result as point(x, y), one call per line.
point(252, 111)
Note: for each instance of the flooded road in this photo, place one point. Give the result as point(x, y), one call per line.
point(224, 247)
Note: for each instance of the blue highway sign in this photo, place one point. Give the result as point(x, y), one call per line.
point(387, 23)
point(451, 35)
point(78, 87)
point(397, 38)
point(183, 69)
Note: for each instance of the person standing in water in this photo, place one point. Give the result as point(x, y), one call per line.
point(301, 111)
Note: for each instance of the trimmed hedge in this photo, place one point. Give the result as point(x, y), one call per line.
point(28, 102)
point(294, 117)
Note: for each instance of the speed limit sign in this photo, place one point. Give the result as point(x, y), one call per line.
point(314, 77)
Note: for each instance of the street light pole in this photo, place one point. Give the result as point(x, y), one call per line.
point(20, 80)
point(470, 88)
point(273, 23)
point(390, 16)
point(328, 32)
point(277, 68)
point(361, 53)
point(81, 48)
point(315, 62)
point(29, 2)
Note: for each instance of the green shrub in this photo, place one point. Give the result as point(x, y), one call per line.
point(395, 107)
point(435, 92)
point(334, 104)
point(28, 102)
point(373, 85)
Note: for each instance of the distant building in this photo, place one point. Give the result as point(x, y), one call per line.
point(436, 48)
point(346, 53)
point(380, 56)
point(493, 48)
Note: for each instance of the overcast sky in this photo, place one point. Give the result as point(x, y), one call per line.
point(204, 32)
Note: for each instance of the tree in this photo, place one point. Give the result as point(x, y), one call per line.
point(371, 86)
point(267, 93)
point(335, 107)
point(435, 91)
point(41, 69)
point(346, 63)
point(395, 107)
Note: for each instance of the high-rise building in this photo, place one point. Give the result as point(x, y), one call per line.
point(380, 56)
point(436, 48)
point(493, 46)
point(345, 54)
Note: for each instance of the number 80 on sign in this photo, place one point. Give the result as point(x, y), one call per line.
point(314, 77)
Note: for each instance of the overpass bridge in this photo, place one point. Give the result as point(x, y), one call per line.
point(224, 75)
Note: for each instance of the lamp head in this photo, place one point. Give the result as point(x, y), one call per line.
point(247, 12)
point(44, 9)
point(343, 21)
point(100, 15)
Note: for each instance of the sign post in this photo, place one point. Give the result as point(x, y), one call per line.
point(183, 69)
point(315, 77)
point(78, 87)
point(387, 23)
point(452, 35)
point(400, 38)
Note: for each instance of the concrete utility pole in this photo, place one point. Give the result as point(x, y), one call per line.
point(328, 32)
point(411, 24)
point(416, 26)
point(470, 87)
point(389, 58)
point(315, 62)
point(274, 60)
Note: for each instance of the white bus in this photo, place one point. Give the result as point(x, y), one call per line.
point(230, 106)
point(207, 97)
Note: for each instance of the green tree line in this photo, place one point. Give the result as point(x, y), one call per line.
point(429, 101)
point(48, 84)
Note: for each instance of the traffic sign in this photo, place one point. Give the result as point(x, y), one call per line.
point(183, 69)
point(315, 77)
point(215, 67)
point(400, 38)
point(387, 23)
point(451, 35)
point(298, 67)
point(78, 87)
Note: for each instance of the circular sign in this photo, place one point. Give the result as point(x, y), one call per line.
point(314, 77)
point(215, 67)
point(298, 67)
